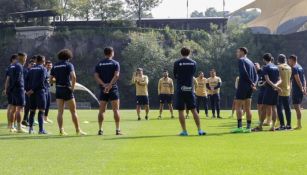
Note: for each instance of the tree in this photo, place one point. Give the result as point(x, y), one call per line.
point(81, 9)
point(108, 9)
point(212, 12)
point(10, 6)
point(41, 4)
point(140, 8)
point(244, 16)
point(197, 14)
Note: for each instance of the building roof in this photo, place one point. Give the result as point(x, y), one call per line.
point(35, 13)
point(277, 13)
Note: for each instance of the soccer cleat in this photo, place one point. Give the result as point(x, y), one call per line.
point(31, 131)
point(118, 133)
point(25, 123)
point(272, 129)
point(247, 130)
point(63, 133)
point(288, 128)
point(257, 129)
point(219, 117)
point(281, 128)
point(47, 120)
point(146, 118)
point(100, 132)
point(81, 133)
point(298, 128)
point(159, 117)
point(201, 133)
point(237, 130)
point(172, 117)
point(43, 132)
point(35, 123)
point(139, 119)
point(13, 130)
point(187, 117)
point(21, 130)
point(184, 133)
point(207, 116)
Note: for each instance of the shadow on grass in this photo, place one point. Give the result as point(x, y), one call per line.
point(36, 137)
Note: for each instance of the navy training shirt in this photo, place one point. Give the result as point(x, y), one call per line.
point(248, 73)
point(297, 70)
point(272, 71)
point(37, 77)
point(106, 69)
point(61, 71)
point(16, 75)
point(184, 70)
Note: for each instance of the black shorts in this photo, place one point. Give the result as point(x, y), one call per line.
point(64, 93)
point(166, 98)
point(9, 98)
point(18, 97)
point(185, 100)
point(297, 98)
point(270, 97)
point(244, 93)
point(260, 97)
point(38, 100)
point(48, 99)
point(142, 100)
point(111, 96)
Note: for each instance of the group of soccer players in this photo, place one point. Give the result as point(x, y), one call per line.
point(30, 87)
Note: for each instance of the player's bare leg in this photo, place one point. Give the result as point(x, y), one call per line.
point(171, 109)
point(102, 110)
point(60, 104)
point(160, 110)
point(297, 108)
point(115, 107)
point(182, 121)
point(146, 111)
point(73, 110)
point(138, 111)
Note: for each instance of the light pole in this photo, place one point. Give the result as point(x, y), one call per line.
point(187, 8)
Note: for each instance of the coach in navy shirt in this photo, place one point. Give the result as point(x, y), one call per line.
point(63, 73)
point(36, 80)
point(184, 70)
point(247, 84)
point(298, 87)
point(106, 75)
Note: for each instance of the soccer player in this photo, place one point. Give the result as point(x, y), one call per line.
point(261, 85)
point(142, 100)
point(6, 90)
point(201, 92)
point(36, 90)
point(214, 84)
point(48, 66)
point(64, 75)
point(106, 75)
point(184, 70)
point(187, 111)
point(284, 96)
point(31, 64)
point(298, 87)
point(166, 92)
point(16, 84)
point(247, 84)
point(233, 108)
point(270, 97)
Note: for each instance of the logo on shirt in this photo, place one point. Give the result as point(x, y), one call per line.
point(186, 64)
point(105, 64)
point(186, 89)
point(59, 66)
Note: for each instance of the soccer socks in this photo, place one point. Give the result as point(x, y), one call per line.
point(249, 122)
point(41, 121)
point(31, 119)
point(239, 123)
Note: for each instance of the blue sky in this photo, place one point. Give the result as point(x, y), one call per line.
point(177, 8)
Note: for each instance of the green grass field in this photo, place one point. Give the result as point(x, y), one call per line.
point(152, 147)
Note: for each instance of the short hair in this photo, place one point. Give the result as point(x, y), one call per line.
point(65, 54)
point(282, 58)
point(267, 57)
point(165, 71)
point(244, 50)
point(108, 51)
point(293, 57)
point(31, 61)
point(185, 51)
point(39, 58)
point(13, 57)
point(139, 69)
point(22, 54)
point(200, 72)
point(213, 70)
point(48, 62)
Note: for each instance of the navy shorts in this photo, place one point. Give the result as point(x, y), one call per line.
point(166, 98)
point(64, 93)
point(111, 96)
point(48, 99)
point(260, 97)
point(185, 100)
point(38, 100)
point(244, 93)
point(9, 98)
point(142, 100)
point(270, 97)
point(297, 99)
point(18, 97)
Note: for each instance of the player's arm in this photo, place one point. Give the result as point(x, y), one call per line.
point(145, 82)
point(208, 86)
point(299, 82)
point(73, 78)
point(275, 86)
point(113, 81)
point(237, 83)
point(159, 87)
point(219, 84)
point(175, 71)
point(6, 85)
point(98, 80)
point(244, 74)
point(172, 87)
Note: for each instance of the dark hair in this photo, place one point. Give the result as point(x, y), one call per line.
point(108, 51)
point(293, 57)
point(200, 72)
point(282, 58)
point(22, 54)
point(267, 57)
point(65, 54)
point(165, 71)
point(185, 51)
point(13, 57)
point(244, 50)
point(31, 61)
point(213, 70)
point(40, 58)
point(48, 62)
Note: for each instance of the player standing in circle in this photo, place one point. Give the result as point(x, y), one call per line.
point(184, 70)
point(106, 75)
point(247, 84)
point(201, 93)
point(63, 73)
point(166, 92)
